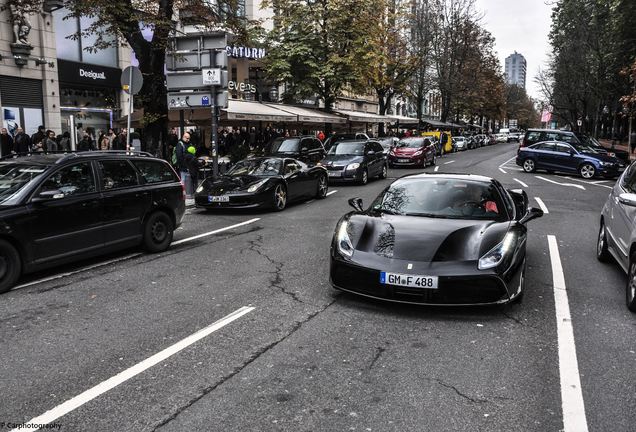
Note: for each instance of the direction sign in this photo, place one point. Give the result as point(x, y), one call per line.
point(211, 76)
point(131, 86)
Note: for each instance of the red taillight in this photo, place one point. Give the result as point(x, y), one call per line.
point(183, 191)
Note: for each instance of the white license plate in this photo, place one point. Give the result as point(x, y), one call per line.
point(221, 198)
point(412, 281)
point(335, 173)
point(404, 160)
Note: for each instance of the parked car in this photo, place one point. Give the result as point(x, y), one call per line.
point(356, 161)
point(501, 138)
point(344, 136)
point(621, 155)
point(514, 136)
point(617, 232)
point(404, 246)
point(413, 151)
point(568, 158)
point(307, 149)
point(387, 143)
point(263, 182)
point(491, 140)
point(460, 143)
point(59, 208)
point(533, 136)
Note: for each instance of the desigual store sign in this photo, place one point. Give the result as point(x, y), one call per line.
point(86, 74)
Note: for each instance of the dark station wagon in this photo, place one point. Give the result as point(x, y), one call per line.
point(59, 208)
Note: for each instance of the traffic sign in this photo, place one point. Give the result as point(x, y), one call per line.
point(211, 76)
point(131, 86)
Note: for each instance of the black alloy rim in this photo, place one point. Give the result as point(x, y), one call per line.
point(631, 288)
point(322, 186)
point(159, 231)
point(601, 241)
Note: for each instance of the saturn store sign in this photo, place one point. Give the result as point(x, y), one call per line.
point(245, 52)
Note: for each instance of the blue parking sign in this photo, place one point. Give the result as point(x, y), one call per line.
point(205, 100)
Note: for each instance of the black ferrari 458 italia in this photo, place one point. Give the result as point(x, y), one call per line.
point(266, 182)
point(447, 239)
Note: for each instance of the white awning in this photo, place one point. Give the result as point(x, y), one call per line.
point(308, 115)
point(255, 111)
point(364, 117)
point(403, 120)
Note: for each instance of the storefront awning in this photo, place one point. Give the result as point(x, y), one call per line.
point(255, 111)
point(308, 115)
point(437, 124)
point(363, 117)
point(404, 120)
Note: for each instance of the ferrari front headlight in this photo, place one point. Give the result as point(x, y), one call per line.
point(256, 186)
point(496, 255)
point(343, 241)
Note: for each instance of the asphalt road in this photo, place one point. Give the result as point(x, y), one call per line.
point(303, 357)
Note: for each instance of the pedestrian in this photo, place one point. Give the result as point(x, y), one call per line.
point(38, 138)
point(193, 165)
point(181, 165)
point(6, 142)
point(50, 144)
point(111, 135)
point(21, 142)
point(104, 144)
point(120, 141)
point(86, 144)
point(321, 136)
point(65, 142)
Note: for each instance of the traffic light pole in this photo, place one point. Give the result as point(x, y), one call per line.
point(214, 143)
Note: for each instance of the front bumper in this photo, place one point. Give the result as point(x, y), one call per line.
point(406, 161)
point(237, 201)
point(344, 176)
point(469, 287)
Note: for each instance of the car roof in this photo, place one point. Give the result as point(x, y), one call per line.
point(550, 130)
point(453, 176)
point(353, 140)
point(52, 158)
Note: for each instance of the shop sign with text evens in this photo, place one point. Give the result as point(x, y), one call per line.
point(233, 86)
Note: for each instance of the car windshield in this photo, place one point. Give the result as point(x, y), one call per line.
point(347, 148)
point(256, 167)
point(386, 143)
point(285, 145)
point(14, 177)
point(441, 198)
point(411, 143)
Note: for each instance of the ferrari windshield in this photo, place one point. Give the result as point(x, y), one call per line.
point(256, 167)
point(441, 198)
point(347, 148)
point(14, 177)
point(285, 145)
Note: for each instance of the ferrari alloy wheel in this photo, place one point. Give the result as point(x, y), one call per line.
point(587, 171)
point(631, 284)
point(323, 187)
point(528, 165)
point(280, 197)
point(602, 254)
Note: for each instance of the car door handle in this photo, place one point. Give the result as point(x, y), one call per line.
point(141, 194)
point(93, 203)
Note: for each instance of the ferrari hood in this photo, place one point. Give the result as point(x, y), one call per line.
point(227, 184)
point(424, 239)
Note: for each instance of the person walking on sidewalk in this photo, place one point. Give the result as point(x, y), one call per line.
point(181, 165)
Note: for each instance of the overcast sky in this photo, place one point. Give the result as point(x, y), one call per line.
point(522, 26)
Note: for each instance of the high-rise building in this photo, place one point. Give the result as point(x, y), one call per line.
point(516, 69)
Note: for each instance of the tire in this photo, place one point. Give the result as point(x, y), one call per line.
point(385, 172)
point(529, 166)
point(433, 160)
point(364, 179)
point(10, 266)
point(323, 187)
point(158, 231)
point(630, 289)
point(279, 197)
point(587, 171)
point(602, 253)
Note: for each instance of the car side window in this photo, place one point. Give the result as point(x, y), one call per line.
point(544, 146)
point(117, 174)
point(377, 147)
point(72, 180)
point(568, 138)
point(533, 137)
point(629, 179)
point(291, 167)
point(562, 148)
point(154, 171)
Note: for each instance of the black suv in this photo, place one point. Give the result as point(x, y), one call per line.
point(307, 149)
point(58, 208)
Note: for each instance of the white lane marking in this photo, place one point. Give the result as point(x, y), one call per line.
point(436, 168)
point(310, 201)
point(589, 183)
point(509, 160)
point(561, 184)
point(502, 170)
point(449, 162)
point(332, 192)
point(90, 394)
point(520, 182)
point(198, 236)
point(80, 270)
point(542, 205)
point(571, 395)
point(599, 181)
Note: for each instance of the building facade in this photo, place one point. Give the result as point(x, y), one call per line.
point(515, 70)
point(45, 77)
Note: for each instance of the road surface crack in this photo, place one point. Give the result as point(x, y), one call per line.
point(240, 368)
point(378, 352)
point(277, 280)
point(464, 395)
